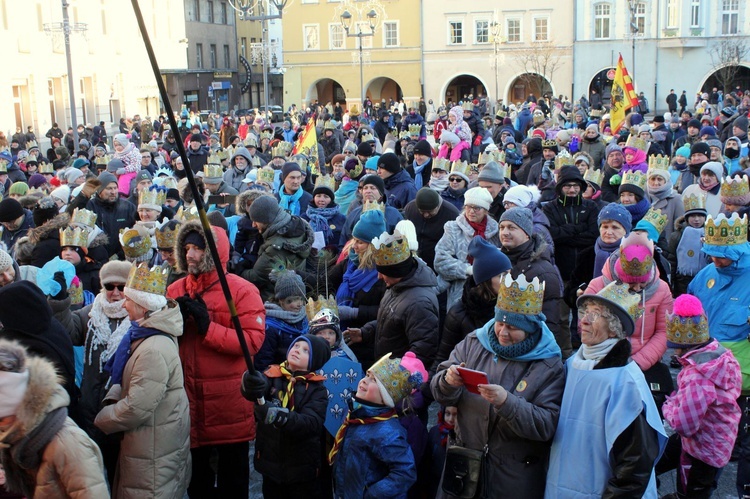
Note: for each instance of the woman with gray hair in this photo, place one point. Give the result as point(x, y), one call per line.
point(607, 413)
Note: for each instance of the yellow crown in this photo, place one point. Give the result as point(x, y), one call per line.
point(403, 135)
point(549, 144)
point(519, 296)
point(148, 280)
point(694, 202)
point(619, 293)
point(184, 215)
point(46, 168)
point(734, 187)
point(636, 178)
point(75, 292)
point(214, 159)
point(563, 159)
point(152, 196)
point(3, 165)
point(637, 143)
point(354, 110)
point(496, 156)
point(397, 381)
point(250, 140)
point(166, 233)
point(255, 161)
point(373, 205)
point(461, 167)
point(301, 161)
point(266, 135)
point(325, 181)
point(687, 330)
point(594, 176)
point(213, 170)
point(82, 216)
point(391, 249)
point(281, 150)
point(367, 137)
point(135, 241)
point(314, 307)
point(596, 113)
point(223, 154)
point(442, 164)
point(723, 231)
point(104, 160)
point(655, 217)
point(467, 105)
point(74, 236)
point(634, 266)
point(266, 175)
point(31, 144)
point(658, 162)
point(415, 129)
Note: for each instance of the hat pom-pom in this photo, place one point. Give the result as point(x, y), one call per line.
point(687, 306)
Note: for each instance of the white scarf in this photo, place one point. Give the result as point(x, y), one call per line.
point(102, 312)
point(588, 356)
point(439, 184)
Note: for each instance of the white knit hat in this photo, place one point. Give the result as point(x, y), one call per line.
point(5, 260)
point(522, 195)
point(62, 193)
point(149, 301)
point(478, 196)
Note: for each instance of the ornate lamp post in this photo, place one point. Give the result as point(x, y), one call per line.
point(497, 40)
point(372, 21)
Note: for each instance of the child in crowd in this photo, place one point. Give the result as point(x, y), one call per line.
point(703, 411)
point(326, 325)
point(286, 319)
point(462, 131)
point(443, 433)
point(290, 434)
point(679, 165)
point(685, 242)
point(371, 455)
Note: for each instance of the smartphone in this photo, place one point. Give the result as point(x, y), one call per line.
point(219, 199)
point(472, 379)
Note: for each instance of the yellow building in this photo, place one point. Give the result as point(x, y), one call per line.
point(322, 62)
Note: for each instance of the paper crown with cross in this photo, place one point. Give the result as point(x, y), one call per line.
point(316, 310)
point(618, 298)
point(636, 178)
point(594, 176)
point(415, 129)
point(135, 242)
point(658, 162)
point(148, 280)
point(213, 170)
point(74, 236)
point(84, 217)
point(266, 175)
point(723, 231)
point(694, 203)
point(166, 233)
point(281, 150)
point(391, 249)
point(519, 296)
point(563, 159)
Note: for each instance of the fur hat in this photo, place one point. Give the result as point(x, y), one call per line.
point(115, 271)
point(14, 380)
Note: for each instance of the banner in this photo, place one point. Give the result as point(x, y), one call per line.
point(307, 144)
point(623, 97)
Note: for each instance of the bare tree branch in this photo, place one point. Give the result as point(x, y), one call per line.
point(539, 59)
point(726, 56)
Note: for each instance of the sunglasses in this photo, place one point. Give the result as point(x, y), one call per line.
point(111, 287)
point(455, 179)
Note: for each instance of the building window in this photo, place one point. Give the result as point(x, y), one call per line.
point(210, 11)
point(199, 55)
point(243, 47)
point(541, 29)
point(482, 31)
point(212, 55)
point(601, 20)
point(197, 10)
point(455, 32)
point(695, 13)
point(513, 30)
point(673, 20)
point(312, 36)
point(335, 36)
point(223, 13)
point(640, 19)
point(226, 57)
point(390, 34)
point(730, 13)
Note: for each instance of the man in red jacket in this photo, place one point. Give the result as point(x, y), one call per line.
point(221, 420)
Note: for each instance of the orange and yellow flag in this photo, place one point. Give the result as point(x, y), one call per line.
point(623, 97)
point(307, 144)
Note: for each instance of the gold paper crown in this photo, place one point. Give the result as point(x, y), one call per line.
point(354, 110)
point(519, 296)
point(694, 202)
point(214, 159)
point(281, 150)
point(135, 241)
point(687, 330)
point(250, 140)
point(75, 292)
point(152, 196)
point(395, 379)
point(184, 215)
point(723, 231)
point(563, 159)
point(82, 216)
point(734, 187)
point(441, 164)
point(461, 167)
point(31, 144)
point(467, 105)
point(329, 125)
point(46, 168)
point(214, 170)
point(104, 160)
point(415, 129)
point(636, 178)
point(266, 175)
point(266, 135)
point(367, 137)
point(166, 236)
point(594, 176)
point(301, 161)
point(655, 217)
point(637, 143)
point(325, 181)
point(222, 154)
point(635, 267)
point(3, 165)
point(391, 249)
point(255, 161)
point(619, 294)
point(486, 157)
point(403, 135)
point(596, 113)
point(658, 162)
point(373, 205)
point(549, 143)
point(148, 280)
point(74, 236)
point(314, 307)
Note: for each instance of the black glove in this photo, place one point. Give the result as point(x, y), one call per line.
point(253, 386)
point(182, 301)
point(199, 311)
point(59, 278)
point(277, 416)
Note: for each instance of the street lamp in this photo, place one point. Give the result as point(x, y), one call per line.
point(495, 30)
point(346, 22)
point(633, 6)
point(257, 10)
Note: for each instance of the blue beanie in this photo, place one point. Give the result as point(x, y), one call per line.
point(618, 213)
point(708, 130)
point(372, 163)
point(653, 233)
point(489, 261)
point(371, 225)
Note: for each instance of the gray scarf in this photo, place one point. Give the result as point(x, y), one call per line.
point(274, 310)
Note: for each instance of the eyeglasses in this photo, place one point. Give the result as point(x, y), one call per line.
point(473, 209)
point(570, 185)
point(590, 317)
point(455, 179)
point(111, 287)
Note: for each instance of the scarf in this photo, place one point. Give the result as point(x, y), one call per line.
point(444, 429)
point(355, 280)
point(712, 188)
point(602, 251)
point(544, 347)
point(680, 167)
point(275, 311)
point(695, 169)
point(515, 350)
point(320, 220)
point(589, 356)
point(479, 228)
point(660, 192)
point(638, 210)
point(418, 174)
point(346, 194)
point(439, 184)
point(290, 202)
point(198, 284)
point(115, 366)
point(287, 397)
point(349, 421)
point(101, 314)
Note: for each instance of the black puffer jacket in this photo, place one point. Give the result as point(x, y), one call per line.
point(407, 318)
point(111, 217)
point(429, 230)
point(534, 150)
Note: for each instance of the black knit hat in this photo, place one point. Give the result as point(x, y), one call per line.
point(10, 209)
point(374, 180)
point(632, 188)
point(389, 162)
point(196, 137)
point(423, 147)
point(45, 210)
point(364, 149)
point(288, 168)
point(700, 148)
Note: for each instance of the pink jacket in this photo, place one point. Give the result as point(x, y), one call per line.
point(649, 341)
point(704, 410)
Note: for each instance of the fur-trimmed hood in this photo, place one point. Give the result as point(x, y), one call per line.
point(285, 236)
point(207, 265)
point(49, 229)
point(245, 196)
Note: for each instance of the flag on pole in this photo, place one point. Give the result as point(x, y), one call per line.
point(307, 144)
point(623, 97)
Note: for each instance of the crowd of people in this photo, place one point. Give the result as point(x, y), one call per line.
point(526, 271)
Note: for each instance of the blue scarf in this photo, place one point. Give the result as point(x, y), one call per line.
point(290, 203)
point(546, 347)
point(355, 279)
point(418, 174)
point(345, 194)
point(320, 220)
point(602, 251)
point(115, 366)
point(638, 210)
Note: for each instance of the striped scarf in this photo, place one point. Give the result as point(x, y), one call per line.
point(349, 421)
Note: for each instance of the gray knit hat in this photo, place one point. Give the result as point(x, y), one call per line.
point(264, 210)
point(105, 178)
point(289, 283)
point(521, 217)
point(115, 271)
point(492, 173)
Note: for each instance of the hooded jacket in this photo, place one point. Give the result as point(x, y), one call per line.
point(400, 189)
point(213, 364)
point(596, 148)
point(151, 410)
point(534, 150)
point(233, 176)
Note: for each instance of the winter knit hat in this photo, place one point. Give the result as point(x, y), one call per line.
point(288, 168)
point(478, 196)
point(423, 147)
point(708, 130)
point(45, 210)
point(714, 167)
point(5, 260)
point(741, 123)
point(364, 149)
point(62, 193)
point(489, 261)
point(427, 199)
point(522, 217)
point(687, 325)
point(371, 165)
point(10, 210)
point(636, 261)
point(319, 350)
point(18, 188)
point(683, 151)
point(389, 162)
point(492, 173)
point(370, 225)
point(13, 381)
point(264, 210)
point(36, 181)
point(72, 175)
point(105, 178)
point(612, 147)
point(115, 271)
point(121, 139)
point(289, 283)
point(617, 213)
point(373, 179)
point(700, 148)
point(522, 195)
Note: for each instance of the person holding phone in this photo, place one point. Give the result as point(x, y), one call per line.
point(515, 413)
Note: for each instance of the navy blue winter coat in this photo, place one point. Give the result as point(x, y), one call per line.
point(400, 189)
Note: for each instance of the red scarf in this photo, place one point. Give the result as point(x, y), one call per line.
point(197, 284)
point(349, 421)
point(479, 230)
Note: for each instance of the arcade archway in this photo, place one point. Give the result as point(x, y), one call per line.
point(383, 88)
point(326, 90)
point(727, 79)
point(528, 84)
point(602, 83)
point(463, 86)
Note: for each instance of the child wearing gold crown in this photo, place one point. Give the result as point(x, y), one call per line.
point(635, 160)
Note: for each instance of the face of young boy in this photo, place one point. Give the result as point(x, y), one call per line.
point(368, 390)
point(329, 335)
point(450, 415)
point(299, 356)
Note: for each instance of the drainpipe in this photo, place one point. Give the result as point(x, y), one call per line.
point(573, 57)
point(421, 47)
point(656, 62)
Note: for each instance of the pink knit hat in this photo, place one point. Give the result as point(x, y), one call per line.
point(411, 363)
point(636, 261)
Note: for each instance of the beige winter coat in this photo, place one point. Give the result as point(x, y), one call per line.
point(152, 410)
